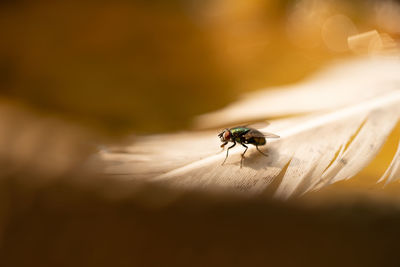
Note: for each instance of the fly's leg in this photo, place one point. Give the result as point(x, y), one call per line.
point(227, 152)
point(241, 161)
point(223, 147)
point(261, 152)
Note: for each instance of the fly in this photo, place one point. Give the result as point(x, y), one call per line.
point(244, 135)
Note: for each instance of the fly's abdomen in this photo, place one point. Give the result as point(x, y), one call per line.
point(259, 141)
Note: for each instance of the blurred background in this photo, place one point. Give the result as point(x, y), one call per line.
point(150, 66)
point(77, 73)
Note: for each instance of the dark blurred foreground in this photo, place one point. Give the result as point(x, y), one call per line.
point(105, 222)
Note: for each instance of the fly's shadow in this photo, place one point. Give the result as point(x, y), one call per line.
point(256, 160)
point(268, 156)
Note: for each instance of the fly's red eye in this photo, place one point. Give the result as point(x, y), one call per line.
point(227, 135)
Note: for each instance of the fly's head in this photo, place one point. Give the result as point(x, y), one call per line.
point(225, 136)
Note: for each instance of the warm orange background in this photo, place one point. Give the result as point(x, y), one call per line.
point(148, 66)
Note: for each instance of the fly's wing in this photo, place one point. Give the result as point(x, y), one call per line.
point(257, 133)
point(270, 135)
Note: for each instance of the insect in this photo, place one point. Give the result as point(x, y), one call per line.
point(244, 135)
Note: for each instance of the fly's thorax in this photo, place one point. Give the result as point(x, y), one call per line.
point(238, 139)
point(239, 131)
